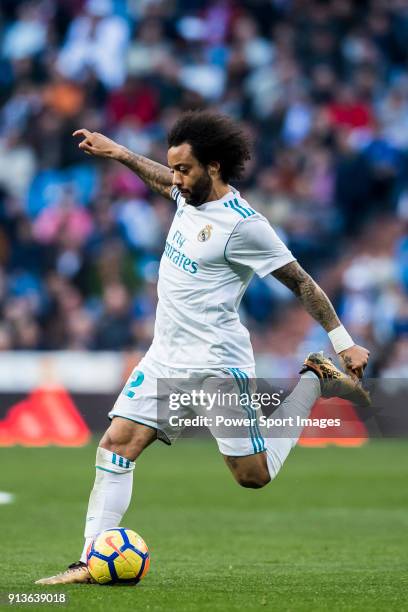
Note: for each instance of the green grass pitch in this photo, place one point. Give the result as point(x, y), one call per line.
point(329, 534)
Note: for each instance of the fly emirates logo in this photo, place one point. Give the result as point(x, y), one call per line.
point(174, 252)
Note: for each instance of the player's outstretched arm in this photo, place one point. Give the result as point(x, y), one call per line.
point(155, 175)
point(321, 309)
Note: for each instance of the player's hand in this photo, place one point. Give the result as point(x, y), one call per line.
point(97, 144)
point(355, 360)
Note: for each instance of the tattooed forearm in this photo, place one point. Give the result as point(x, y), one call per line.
point(155, 175)
point(309, 294)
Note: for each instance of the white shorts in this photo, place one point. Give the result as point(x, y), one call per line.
point(145, 399)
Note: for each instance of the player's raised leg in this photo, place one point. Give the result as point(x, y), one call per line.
point(118, 449)
point(256, 470)
point(319, 377)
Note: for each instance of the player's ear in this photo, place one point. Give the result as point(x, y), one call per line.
point(214, 169)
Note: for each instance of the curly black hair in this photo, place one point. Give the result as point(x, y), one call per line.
point(213, 137)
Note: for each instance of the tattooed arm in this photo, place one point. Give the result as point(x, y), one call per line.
point(309, 294)
point(321, 309)
point(155, 175)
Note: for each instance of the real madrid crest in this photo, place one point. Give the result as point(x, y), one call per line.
point(205, 233)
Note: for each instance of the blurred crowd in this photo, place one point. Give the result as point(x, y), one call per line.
point(322, 89)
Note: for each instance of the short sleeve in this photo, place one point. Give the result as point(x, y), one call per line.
point(255, 244)
point(177, 197)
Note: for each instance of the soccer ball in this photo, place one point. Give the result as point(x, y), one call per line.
point(118, 555)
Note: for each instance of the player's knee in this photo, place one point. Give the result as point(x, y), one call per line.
point(253, 480)
point(112, 440)
point(126, 438)
point(123, 447)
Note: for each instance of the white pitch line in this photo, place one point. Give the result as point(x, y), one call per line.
point(6, 498)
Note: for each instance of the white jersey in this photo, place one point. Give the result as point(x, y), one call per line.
point(211, 254)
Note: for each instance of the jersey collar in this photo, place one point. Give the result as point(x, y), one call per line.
point(232, 193)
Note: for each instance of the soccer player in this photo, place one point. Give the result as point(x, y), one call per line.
point(215, 244)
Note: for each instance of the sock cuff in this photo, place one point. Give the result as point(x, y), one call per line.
point(112, 462)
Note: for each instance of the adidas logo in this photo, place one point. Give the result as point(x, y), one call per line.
point(47, 416)
point(352, 431)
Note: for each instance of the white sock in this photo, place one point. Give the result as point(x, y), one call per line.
point(110, 496)
point(298, 404)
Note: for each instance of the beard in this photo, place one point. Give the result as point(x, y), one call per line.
point(200, 191)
